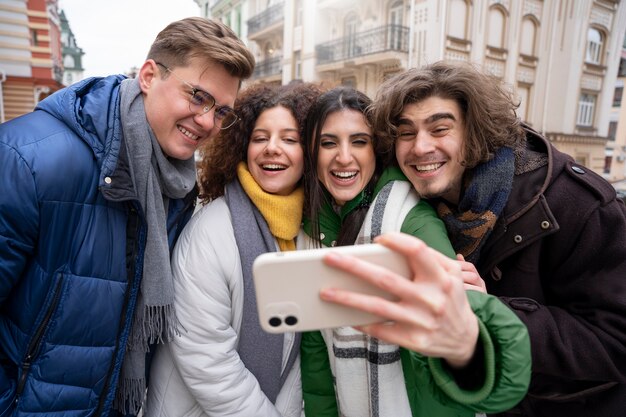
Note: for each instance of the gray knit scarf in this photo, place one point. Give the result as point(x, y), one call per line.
point(258, 350)
point(156, 179)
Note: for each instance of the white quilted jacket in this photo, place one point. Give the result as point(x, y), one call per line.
point(200, 373)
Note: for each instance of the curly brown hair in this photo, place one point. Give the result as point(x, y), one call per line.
point(487, 106)
point(221, 155)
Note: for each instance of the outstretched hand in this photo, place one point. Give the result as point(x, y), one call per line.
point(432, 315)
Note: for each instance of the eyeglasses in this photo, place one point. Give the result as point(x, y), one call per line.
point(201, 102)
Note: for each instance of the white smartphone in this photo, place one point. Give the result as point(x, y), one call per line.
point(287, 287)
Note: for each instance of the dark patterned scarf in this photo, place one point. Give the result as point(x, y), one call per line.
point(487, 190)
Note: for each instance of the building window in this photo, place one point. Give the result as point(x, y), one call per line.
point(529, 36)
point(395, 13)
point(581, 159)
point(612, 130)
point(497, 24)
point(68, 62)
point(33, 37)
point(395, 26)
point(586, 107)
point(458, 17)
point(595, 43)
point(617, 97)
point(349, 82)
point(350, 28)
point(298, 9)
point(297, 66)
point(621, 72)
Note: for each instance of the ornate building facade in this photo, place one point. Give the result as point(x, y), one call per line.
point(561, 57)
point(31, 65)
point(73, 70)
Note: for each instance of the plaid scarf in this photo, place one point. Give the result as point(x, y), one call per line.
point(486, 193)
point(368, 371)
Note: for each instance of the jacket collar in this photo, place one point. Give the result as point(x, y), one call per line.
point(527, 216)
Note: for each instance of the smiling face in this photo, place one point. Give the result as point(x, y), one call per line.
point(429, 148)
point(275, 154)
point(346, 159)
point(178, 130)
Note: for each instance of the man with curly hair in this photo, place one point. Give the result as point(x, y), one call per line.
point(529, 224)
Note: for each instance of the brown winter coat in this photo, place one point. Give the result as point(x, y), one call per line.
point(557, 257)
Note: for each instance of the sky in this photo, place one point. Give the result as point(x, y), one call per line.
point(116, 35)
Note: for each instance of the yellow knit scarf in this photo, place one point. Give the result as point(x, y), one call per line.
point(283, 214)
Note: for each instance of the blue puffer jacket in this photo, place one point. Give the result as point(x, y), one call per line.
point(71, 249)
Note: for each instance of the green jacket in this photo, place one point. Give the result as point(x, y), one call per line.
point(431, 389)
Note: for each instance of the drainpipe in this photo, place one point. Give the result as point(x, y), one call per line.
point(544, 116)
point(3, 78)
point(442, 33)
point(411, 34)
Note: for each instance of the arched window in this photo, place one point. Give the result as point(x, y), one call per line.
point(496, 31)
point(395, 13)
point(68, 61)
point(528, 40)
point(458, 16)
point(595, 43)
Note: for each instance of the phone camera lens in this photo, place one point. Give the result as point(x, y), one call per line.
point(291, 320)
point(275, 321)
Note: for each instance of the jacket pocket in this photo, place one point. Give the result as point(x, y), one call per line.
point(35, 343)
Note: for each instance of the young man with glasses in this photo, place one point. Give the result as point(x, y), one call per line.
point(98, 182)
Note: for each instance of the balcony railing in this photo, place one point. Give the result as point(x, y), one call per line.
point(267, 67)
point(266, 18)
point(382, 39)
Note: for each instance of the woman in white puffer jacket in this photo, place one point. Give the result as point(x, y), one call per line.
point(222, 364)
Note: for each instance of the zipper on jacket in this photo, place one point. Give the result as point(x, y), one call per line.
point(34, 344)
point(133, 226)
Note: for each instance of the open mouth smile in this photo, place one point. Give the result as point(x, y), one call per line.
point(425, 169)
point(188, 133)
point(274, 167)
point(344, 175)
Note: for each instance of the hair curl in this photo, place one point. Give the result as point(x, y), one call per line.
point(487, 106)
point(221, 155)
point(337, 99)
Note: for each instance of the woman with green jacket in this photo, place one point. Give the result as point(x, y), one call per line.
point(350, 199)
